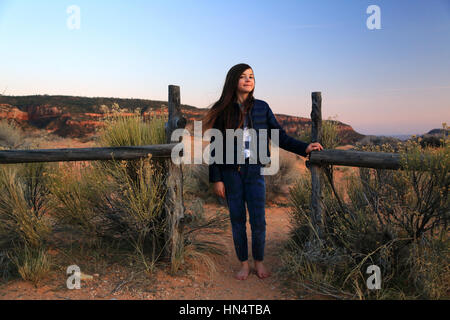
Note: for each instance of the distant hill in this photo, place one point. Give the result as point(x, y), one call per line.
point(435, 132)
point(438, 132)
point(434, 137)
point(80, 117)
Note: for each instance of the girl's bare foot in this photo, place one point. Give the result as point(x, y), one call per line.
point(243, 273)
point(261, 270)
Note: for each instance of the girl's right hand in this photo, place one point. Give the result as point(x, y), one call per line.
point(219, 189)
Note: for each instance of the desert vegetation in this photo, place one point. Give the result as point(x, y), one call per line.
point(96, 212)
point(396, 220)
point(100, 213)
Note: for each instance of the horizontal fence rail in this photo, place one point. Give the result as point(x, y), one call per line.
point(376, 160)
point(86, 154)
point(363, 159)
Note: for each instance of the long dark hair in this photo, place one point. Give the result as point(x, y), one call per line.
point(224, 111)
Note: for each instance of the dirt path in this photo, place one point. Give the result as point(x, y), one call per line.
point(223, 285)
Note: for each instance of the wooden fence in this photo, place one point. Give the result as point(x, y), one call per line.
point(174, 205)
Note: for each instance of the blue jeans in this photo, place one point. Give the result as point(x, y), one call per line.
point(246, 186)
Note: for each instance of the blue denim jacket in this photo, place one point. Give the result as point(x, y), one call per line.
point(261, 117)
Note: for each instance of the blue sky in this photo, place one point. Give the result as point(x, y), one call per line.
point(395, 80)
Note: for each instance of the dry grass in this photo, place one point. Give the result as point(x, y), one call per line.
point(33, 264)
point(24, 222)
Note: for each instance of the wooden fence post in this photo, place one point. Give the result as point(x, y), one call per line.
point(174, 198)
point(316, 187)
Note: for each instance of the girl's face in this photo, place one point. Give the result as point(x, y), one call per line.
point(246, 81)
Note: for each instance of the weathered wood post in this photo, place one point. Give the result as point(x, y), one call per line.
point(174, 198)
point(316, 187)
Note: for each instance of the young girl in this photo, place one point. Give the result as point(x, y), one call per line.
point(244, 183)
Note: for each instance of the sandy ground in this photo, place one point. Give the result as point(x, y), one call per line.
point(117, 282)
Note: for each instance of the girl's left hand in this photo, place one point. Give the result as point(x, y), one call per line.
point(314, 146)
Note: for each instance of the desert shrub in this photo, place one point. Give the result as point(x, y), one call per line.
point(122, 202)
point(11, 136)
point(75, 194)
point(117, 201)
point(120, 131)
point(33, 264)
point(330, 134)
point(138, 207)
point(396, 220)
point(24, 223)
point(132, 131)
